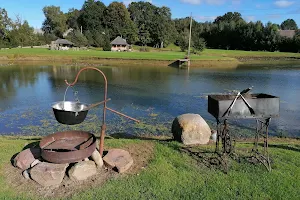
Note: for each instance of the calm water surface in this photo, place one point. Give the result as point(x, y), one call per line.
point(155, 95)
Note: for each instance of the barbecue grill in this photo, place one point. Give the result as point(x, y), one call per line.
point(243, 105)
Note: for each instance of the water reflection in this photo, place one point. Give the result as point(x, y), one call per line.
point(155, 94)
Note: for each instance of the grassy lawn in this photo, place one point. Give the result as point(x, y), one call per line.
point(175, 174)
point(164, 55)
point(238, 53)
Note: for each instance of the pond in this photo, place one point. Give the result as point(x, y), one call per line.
point(154, 95)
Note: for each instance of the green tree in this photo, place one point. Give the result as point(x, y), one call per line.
point(117, 20)
point(164, 28)
point(289, 24)
point(55, 22)
point(72, 19)
point(229, 17)
point(199, 44)
point(92, 16)
point(142, 15)
point(5, 22)
point(89, 36)
point(106, 45)
point(78, 38)
point(21, 34)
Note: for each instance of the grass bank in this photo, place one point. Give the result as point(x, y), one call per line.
point(165, 57)
point(179, 172)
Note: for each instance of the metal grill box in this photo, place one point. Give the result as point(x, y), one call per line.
point(264, 106)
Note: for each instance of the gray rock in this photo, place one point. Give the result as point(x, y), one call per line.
point(35, 162)
point(191, 129)
point(213, 135)
point(118, 159)
point(97, 158)
point(82, 170)
point(26, 174)
point(48, 174)
point(24, 159)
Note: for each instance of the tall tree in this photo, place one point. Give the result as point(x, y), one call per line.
point(117, 20)
point(21, 34)
point(164, 27)
point(229, 17)
point(92, 15)
point(142, 14)
point(289, 24)
point(5, 22)
point(72, 19)
point(55, 22)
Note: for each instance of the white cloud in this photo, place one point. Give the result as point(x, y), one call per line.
point(210, 2)
point(273, 16)
point(250, 18)
point(205, 18)
point(215, 2)
point(283, 3)
point(194, 2)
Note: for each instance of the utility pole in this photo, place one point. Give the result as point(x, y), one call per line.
point(189, 50)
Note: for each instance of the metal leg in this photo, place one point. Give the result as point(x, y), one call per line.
point(218, 136)
point(262, 129)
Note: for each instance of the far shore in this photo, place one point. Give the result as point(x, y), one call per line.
point(209, 58)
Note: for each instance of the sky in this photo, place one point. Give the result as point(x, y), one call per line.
point(275, 11)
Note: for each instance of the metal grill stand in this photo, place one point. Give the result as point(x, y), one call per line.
point(256, 106)
point(262, 129)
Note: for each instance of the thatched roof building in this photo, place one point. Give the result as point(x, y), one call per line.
point(63, 42)
point(119, 41)
point(120, 44)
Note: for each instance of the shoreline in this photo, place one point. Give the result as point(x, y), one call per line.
point(234, 63)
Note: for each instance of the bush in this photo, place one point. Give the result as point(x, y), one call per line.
point(106, 45)
point(199, 44)
point(144, 49)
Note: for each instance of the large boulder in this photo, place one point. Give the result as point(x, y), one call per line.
point(191, 129)
point(82, 170)
point(118, 159)
point(24, 159)
point(48, 174)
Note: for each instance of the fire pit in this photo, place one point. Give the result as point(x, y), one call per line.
point(67, 147)
point(242, 105)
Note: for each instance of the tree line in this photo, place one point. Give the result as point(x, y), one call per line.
point(145, 24)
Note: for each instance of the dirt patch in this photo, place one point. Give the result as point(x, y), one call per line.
point(141, 153)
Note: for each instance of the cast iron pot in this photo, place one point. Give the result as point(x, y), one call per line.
point(70, 112)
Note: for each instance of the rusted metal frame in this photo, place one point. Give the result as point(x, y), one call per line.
point(78, 152)
point(262, 128)
point(114, 111)
point(103, 126)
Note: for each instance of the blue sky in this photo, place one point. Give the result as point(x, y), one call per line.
point(203, 10)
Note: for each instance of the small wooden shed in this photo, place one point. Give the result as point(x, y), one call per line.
point(120, 44)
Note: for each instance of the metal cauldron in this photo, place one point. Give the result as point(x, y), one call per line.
point(70, 112)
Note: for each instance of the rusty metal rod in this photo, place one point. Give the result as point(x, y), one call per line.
point(103, 127)
point(122, 115)
point(96, 104)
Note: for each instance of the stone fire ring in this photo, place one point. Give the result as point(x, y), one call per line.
point(68, 146)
